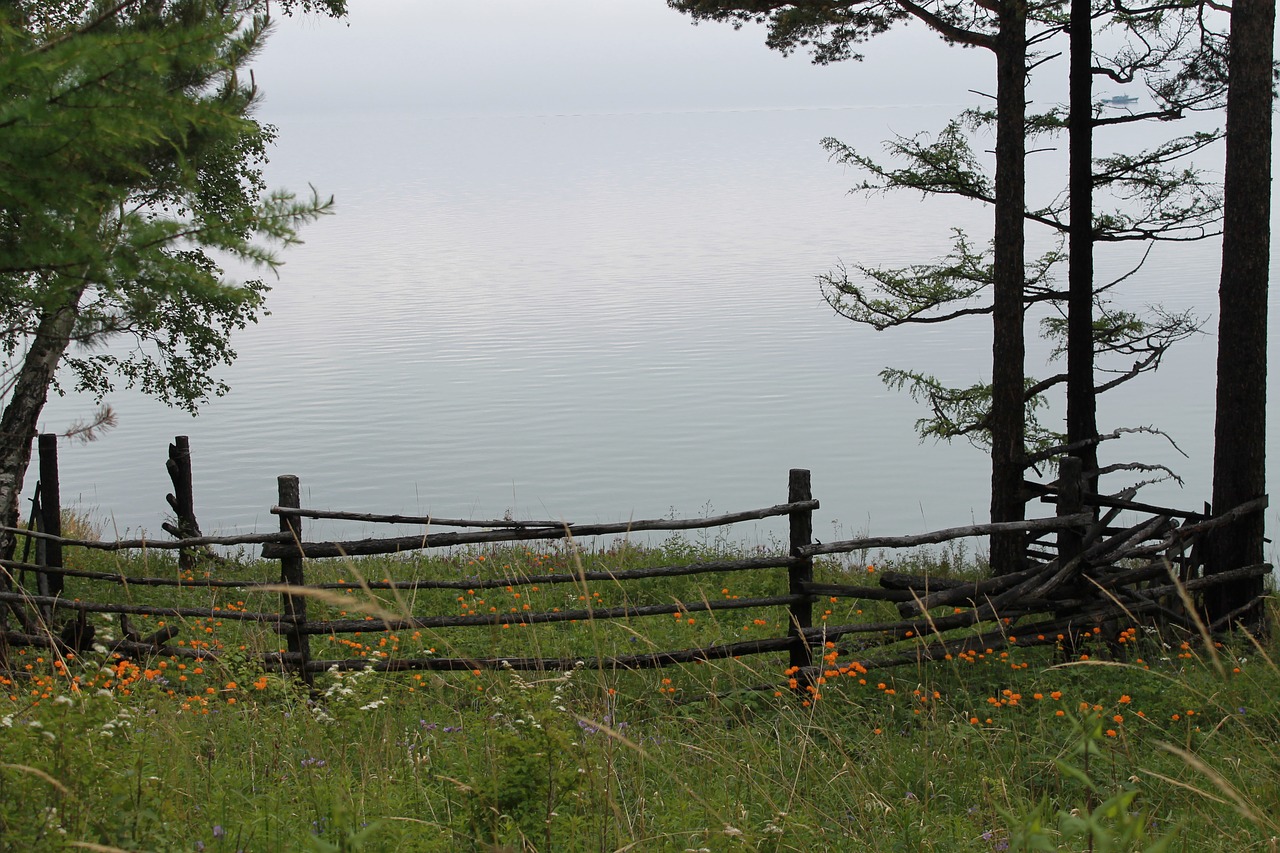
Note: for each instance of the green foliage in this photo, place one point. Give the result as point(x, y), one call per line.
point(942, 164)
point(967, 755)
point(130, 171)
point(830, 31)
point(1111, 826)
point(963, 412)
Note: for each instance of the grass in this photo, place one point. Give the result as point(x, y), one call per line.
point(1013, 749)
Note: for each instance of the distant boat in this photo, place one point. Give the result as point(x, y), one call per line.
point(1120, 100)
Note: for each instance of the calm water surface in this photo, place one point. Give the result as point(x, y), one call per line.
point(601, 317)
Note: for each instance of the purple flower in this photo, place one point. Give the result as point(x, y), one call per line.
point(218, 831)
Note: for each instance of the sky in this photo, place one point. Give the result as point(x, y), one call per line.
point(555, 56)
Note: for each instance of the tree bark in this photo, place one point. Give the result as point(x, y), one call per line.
point(1239, 451)
point(1007, 419)
point(22, 412)
point(1082, 423)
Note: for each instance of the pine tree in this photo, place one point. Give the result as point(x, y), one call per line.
point(130, 170)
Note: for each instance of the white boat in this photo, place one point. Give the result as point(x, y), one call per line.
point(1120, 100)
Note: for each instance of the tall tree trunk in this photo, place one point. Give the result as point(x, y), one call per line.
point(1008, 412)
point(1082, 422)
point(1239, 445)
point(22, 413)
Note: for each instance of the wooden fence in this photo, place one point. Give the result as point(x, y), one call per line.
point(1091, 573)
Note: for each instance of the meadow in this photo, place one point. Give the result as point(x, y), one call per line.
point(1136, 740)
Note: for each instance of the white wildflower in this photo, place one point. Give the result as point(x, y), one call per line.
point(732, 831)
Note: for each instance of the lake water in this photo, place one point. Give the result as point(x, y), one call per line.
point(606, 315)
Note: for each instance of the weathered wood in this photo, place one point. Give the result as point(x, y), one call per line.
point(57, 603)
point(125, 580)
point(399, 544)
point(937, 536)
point(291, 574)
point(182, 500)
point(424, 520)
point(145, 544)
point(1049, 494)
point(867, 593)
point(922, 584)
point(686, 570)
point(49, 581)
point(800, 491)
point(970, 592)
point(654, 660)
point(141, 649)
point(348, 626)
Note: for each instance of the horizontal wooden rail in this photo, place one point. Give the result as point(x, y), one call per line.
point(126, 580)
point(350, 626)
point(399, 544)
point(686, 569)
point(151, 544)
point(865, 593)
point(144, 650)
point(948, 534)
point(141, 609)
point(1048, 494)
point(425, 520)
point(653, 660)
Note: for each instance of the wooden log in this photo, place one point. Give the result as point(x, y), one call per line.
point(1040, 588)
point(57, 603)
point(919, 627)
point(351, 626)
point(1223, 622)
point(922, 584)
point(143, 649)
point(400, 544)
point(1118, 547)
point(182, 500)
point(799, 491)
point(1048, 493)
point(424, 520)
point(866, 593)
point(125, 580)
point(967, 593)
point(653, 660)
point(685, 570)
point(291, 574)
point(49, 580)
point(161, 544)
point(937, 536)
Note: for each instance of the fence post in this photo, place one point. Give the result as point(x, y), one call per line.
point(291, 573)
point(182, 501)
point(50, 582)
point(799, 489)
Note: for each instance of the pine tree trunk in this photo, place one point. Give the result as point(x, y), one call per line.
point(22, 413)
point(1007, 418)
point(1239, 450)
point(1082, 423)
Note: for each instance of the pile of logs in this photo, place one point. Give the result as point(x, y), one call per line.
point(1108, 577)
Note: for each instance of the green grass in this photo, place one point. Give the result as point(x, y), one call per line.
point(1011, 750)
